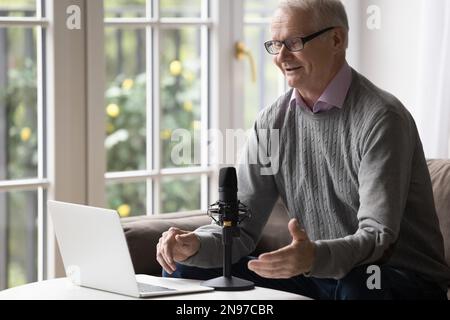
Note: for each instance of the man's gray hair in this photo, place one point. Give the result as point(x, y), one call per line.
point(324, 13)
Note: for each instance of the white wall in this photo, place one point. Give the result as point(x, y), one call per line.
point(408, 56)
point(354, 16)
point(389, 57)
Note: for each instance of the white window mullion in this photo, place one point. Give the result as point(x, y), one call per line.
point(41, 212)
point(205, 103)
point(204, 113)
point(144, 22)
point(139, 175)
point(40, 101)
point(205, 10)
point(156, 109)
point(155, 10)
point(41, 231)
point(149, 106)
point(23, 184)
point(22, 22)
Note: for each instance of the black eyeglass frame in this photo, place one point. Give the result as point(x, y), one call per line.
point(304, 41)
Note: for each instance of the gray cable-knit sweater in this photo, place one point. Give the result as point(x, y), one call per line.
point(355, 178)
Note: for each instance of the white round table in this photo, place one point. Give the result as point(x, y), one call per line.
point(64, 289)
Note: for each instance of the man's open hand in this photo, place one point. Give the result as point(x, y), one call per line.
point(289, 261)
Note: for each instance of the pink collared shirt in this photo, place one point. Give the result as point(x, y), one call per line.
point(333, 96)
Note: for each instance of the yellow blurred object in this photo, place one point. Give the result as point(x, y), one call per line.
point(188, 106)
point(175, 68)
point(196, 125)
point(127, 84)
point(189, 76)
point(124, 210)
point(110, 128)
point(242, 52)
point(113, 110)
point(25, 134)
point(166, 134)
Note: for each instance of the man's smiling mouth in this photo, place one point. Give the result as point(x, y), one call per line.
point(292, 69)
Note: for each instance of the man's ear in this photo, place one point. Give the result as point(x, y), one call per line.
point(339, 38)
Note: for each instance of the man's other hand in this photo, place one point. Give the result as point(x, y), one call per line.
point(175, 245)
point(289, 261)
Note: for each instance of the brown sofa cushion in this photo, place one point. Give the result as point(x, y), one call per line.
point(143, 233)
point(440, 178)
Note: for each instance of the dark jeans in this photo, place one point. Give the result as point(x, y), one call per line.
point(395, 284)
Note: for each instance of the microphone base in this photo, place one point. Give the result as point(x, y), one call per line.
point(229, 284)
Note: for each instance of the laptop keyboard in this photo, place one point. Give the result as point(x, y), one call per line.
point(143, 288)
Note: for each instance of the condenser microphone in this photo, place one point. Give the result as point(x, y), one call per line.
point(228, 212)
point(228, 184)
point(228, 201)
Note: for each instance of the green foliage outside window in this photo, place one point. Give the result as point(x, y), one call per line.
point(18, 103)
point(126, 110)
point(126, 124)
point(19, 100)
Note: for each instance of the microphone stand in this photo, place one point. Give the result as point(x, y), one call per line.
point(229, 230)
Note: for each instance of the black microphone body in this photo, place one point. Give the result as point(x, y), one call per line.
point(228, 213)
point(228, 209)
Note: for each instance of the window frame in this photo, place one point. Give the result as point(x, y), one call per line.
point(40, 183)
point(154, 173)
point(72, 147)
point(86, 182)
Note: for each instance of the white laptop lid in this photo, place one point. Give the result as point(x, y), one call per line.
point(95, 253)
point(93, 247)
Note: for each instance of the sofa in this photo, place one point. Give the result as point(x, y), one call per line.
point(142, 233)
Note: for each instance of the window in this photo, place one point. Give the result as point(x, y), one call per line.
point(269, 83)
point(169, 67)
point(157, 70)
point(23, 182)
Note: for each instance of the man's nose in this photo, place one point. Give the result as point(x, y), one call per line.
point(284, 53)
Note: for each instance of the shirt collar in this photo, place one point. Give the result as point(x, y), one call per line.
point(334, 94)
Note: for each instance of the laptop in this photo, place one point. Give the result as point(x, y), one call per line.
point(95, 254)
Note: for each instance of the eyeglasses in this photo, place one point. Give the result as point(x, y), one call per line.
point(292, 44)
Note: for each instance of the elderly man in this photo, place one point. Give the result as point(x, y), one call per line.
point(352, 174)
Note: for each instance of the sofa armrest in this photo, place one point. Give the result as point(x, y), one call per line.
point(142, 235)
